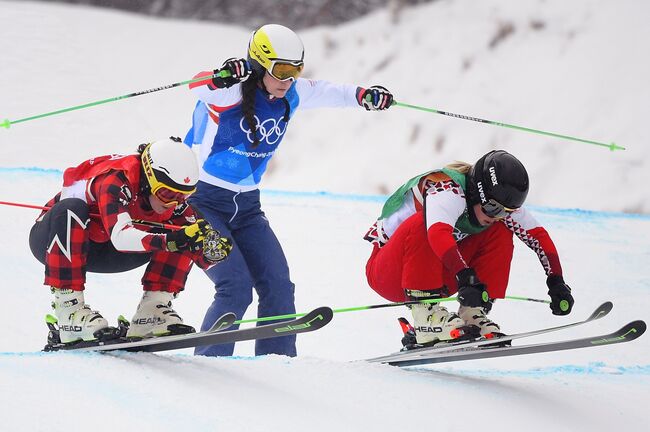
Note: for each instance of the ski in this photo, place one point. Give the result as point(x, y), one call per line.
point(311, 321)
point(600, 312)
point(54, 341)
point(627, 333)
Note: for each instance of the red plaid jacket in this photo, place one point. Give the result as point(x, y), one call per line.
point(110, 187)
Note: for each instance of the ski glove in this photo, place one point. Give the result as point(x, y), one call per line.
point(189, 237)
point(560, 293)
point(375, 98)
point(471, 291)
point(238, 69)
point(215, 247)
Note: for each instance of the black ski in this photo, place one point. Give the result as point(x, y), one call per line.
point(600, 312)
point(311, 321)
point(627, 333)
point(54, 341)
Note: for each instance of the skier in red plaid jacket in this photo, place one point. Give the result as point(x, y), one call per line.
point(110, 217)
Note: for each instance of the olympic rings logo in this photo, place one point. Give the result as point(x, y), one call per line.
point(269, 131)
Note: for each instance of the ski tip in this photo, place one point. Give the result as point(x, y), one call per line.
point(601, 311)
point(627, 333)
point(633, 330)
point(224, 321)
point(5, 124)
point(325, 311)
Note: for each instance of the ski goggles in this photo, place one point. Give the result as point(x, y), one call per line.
point(495, 209)
point(284, 70)
point(165, 193)
point(170, 195)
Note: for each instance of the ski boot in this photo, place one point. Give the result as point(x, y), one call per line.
point(155, 317)
point(477, 316)
point(75, 320)
point(433, 323)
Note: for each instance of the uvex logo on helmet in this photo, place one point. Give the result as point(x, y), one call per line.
point(493, 176)
point(481, 193)
point(498, 176)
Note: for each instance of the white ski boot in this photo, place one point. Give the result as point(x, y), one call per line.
point(76, 321)
point(478, 317)
point(431, 321)
point(155, 317)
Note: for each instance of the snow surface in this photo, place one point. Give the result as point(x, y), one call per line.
point(580, 74)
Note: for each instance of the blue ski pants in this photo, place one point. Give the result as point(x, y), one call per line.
point(256, 262)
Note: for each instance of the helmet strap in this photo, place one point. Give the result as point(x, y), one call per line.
point(145, 188)
point(471, 214)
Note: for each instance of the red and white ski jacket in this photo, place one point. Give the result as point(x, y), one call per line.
point(443, 202)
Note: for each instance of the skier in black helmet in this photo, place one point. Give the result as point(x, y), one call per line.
point(469, 213)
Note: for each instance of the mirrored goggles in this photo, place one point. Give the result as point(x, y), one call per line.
point(496, 210)
point(169, 195)
point(283, 70)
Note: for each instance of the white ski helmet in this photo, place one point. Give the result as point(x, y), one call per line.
point(171, 169)
point(278, 50)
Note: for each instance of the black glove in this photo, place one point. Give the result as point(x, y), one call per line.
point(471, 291)
point(188, 238)
point(238, 70)
point(375, 98)
point(215, 247)
point(560, 293)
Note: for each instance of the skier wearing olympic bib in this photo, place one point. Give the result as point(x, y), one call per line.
point(89, 227)
point(450, 230)
point(239, 121)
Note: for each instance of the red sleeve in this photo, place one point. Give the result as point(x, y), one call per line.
point(443, 244)
point(545, 250)
point(113, 196)
point(207, 81)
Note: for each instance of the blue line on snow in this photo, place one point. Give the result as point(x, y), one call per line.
point(597, 368)
point(362, 198)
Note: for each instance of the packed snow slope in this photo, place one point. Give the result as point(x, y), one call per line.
point(582, 72)
point(579, 68)
point(604, 255)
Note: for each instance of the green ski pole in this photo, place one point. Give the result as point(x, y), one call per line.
point(7, 123)
point(377, 306)
point(611, 146)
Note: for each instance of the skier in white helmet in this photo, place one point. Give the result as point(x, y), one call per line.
point(92, 226)
point(239, 121)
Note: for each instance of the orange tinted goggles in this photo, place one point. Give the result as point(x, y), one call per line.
point(283, 71)
point(169, 196)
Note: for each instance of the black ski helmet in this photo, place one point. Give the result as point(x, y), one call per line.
point(500, 176)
